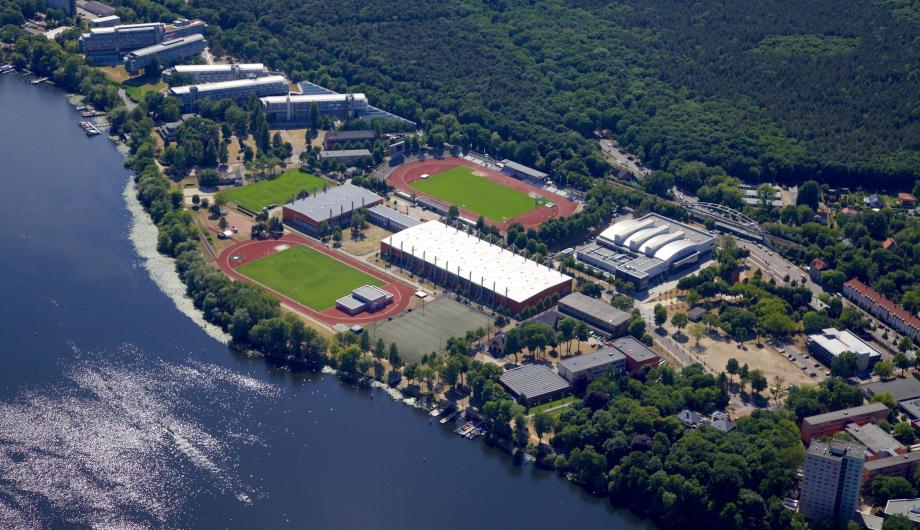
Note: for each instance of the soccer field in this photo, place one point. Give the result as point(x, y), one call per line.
point(307, 276)
point(460, 187)
point(278, 190)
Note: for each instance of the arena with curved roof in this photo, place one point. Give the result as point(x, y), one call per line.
point(643, 250)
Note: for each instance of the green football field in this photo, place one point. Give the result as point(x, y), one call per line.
point(307, 276)
point(460, 187)
point(278, 190)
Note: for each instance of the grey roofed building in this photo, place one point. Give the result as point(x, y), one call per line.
point(349, 304)
point(690, 418)
point(338, 137)
point(903, 464)
point(369, 293)
point(901, 388)
point(599, 314)
point(390, 218)
point(344, 154)
point(871, 522)
point(325, 205)
point(909, 508)
point(534, 383)
point(831, 342)
point(873, 437)
point(635, 351)
point(911, 406)
point(591, 365)
point(695, 314)
point(845, 413)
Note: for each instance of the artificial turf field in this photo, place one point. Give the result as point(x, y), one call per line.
point(278, 190)
point(307, 276)
point(460, 187)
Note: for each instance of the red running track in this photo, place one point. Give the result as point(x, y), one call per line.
point(248, 251)
point(404, 175)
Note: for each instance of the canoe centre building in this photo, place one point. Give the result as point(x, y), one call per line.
point(461, 261)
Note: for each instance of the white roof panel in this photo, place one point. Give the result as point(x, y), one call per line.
point(652, 245)
point(481, 262)
point(643, 235)
point(310, 98)
point(221, 85)
point(672, 249)
point(193, 68)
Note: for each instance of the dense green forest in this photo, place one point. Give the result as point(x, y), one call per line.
point(821, 88)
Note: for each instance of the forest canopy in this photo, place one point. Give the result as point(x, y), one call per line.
point(822, 89)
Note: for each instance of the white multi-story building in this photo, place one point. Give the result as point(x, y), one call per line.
point(166, 52)
point(194, 74)
point(295, 108)
point(833, 475)
point(237, 89)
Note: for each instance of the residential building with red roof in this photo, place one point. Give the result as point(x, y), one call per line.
point(906, 200)
point(900, 319)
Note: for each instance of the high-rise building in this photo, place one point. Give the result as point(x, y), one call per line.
point(833, 475)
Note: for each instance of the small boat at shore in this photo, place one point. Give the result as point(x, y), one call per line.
point(89, 128)
point(39, 80)
point(7, 68)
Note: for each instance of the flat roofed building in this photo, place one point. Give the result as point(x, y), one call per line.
point(874, 438)
point(909, 508)
point(644, 249)
point(183, 28)
point(195, 74)
point(520, 171)
point(892, 466)
point(534, 384)
point(239, 89)
point(349, 305)
point(637, 354)
point(831, 342)
point(345, 156)
point(121, 38)
point(911, 407)
point(589, 366)
point(295, 108)
point(374, 297)
point(459, 260)
point(333, 206)
point(166, 52)
point(832, 480)
point(832, 422)
point(364, 298)
point(335, 138)
point(390, 219)
point(105, 22)
point(606, 318)
point(900, 388)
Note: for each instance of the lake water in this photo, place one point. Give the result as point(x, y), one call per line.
point(118, 410)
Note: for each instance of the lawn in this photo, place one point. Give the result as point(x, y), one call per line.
point(460, 187)
point(556, 407)
point(138, 87)
point(307, 276)
point(278, 190)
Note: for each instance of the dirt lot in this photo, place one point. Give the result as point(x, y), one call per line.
point(715, 354)
point(367, 244)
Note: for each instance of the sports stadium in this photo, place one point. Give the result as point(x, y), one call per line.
point(479, 191)
point(315, 281)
